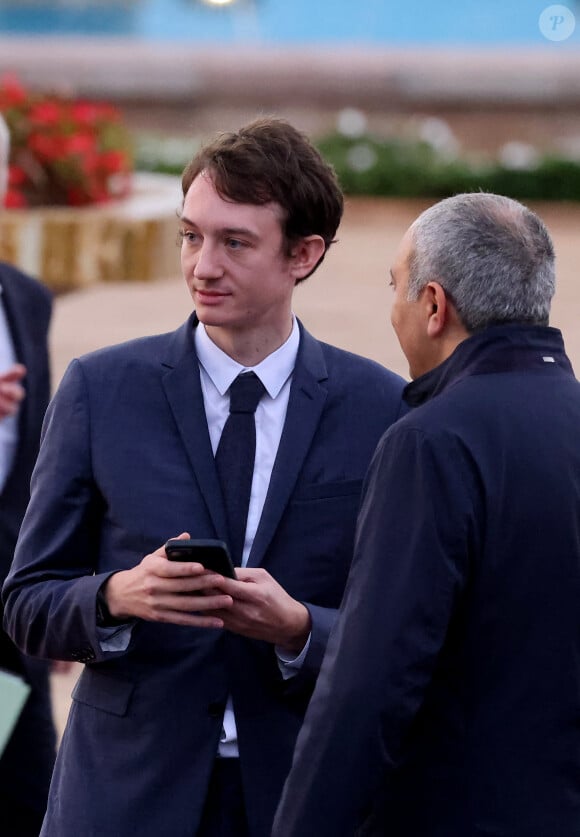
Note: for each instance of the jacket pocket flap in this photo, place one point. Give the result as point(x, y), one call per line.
point(102, 691)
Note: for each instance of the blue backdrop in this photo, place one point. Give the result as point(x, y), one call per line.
point(287, 22)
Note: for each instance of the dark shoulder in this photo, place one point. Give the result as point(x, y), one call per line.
point(366, 390)
point(442, 420)
point(117, 355)
point(355, 367)
point(24, 288)
point(128, 365)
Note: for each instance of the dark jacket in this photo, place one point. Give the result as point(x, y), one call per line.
point(449, 701)
point(26, 763)
point(125, 463)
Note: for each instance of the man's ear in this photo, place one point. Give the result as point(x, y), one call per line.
point(437, 309)
point(306, 253)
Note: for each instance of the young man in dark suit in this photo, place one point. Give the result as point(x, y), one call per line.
point(27, 761)
point(185, 716)
point(449, 699)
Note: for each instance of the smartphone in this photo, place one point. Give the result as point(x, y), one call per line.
point(213, 554)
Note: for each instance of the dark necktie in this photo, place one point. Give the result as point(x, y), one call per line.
point(235, 457)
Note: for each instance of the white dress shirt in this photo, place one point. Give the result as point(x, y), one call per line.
point(9, 424)
point(217, 372)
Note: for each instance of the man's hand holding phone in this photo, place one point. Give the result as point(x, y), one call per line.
point(260, 608)
point(162, 590)
point(192, 582)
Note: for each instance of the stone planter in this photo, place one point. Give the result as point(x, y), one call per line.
point(69, 248)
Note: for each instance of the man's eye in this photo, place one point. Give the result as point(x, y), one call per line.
point(235, 244)
point(188, 235)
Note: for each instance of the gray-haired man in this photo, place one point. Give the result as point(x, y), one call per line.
point(449, 697)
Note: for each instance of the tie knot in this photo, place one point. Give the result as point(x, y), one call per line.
point(245, 392)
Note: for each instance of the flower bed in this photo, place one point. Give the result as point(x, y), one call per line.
point(76, 212)
point(64, 152)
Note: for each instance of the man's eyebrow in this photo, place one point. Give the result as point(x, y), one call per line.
point(231, 231)
point(243, 231)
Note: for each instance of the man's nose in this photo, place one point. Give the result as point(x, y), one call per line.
point(207, 265)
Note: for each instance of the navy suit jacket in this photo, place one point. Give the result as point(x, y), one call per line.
point(27, 761)
point(126, 462)
point(448, 703)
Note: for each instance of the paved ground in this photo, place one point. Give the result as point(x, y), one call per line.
point(346, 302)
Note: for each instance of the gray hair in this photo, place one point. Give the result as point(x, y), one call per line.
point(4, 155)
point(492, 255)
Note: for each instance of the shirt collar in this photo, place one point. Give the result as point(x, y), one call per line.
point(273, 371)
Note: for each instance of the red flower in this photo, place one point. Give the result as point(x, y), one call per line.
point(12, 93)
point(113, 161)
point(14, 200)
point(76, 196)
point(45, 113)
point(83, 146)
point(63, 152)
point(47, 147)
point(16, 175)
point(85, 113)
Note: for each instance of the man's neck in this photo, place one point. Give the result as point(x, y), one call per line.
point(248, 348)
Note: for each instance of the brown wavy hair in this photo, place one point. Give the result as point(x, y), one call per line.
point(270, 161)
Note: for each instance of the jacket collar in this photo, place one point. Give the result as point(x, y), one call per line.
point(500, 348)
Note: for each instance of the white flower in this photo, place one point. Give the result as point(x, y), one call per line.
point(361, 157)
point(351, 122)
point(518, 155)
point(437, 133)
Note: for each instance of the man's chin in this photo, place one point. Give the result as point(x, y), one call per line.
point(210, 317)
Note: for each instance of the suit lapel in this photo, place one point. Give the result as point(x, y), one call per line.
point(307, 398)
point(183, 390)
